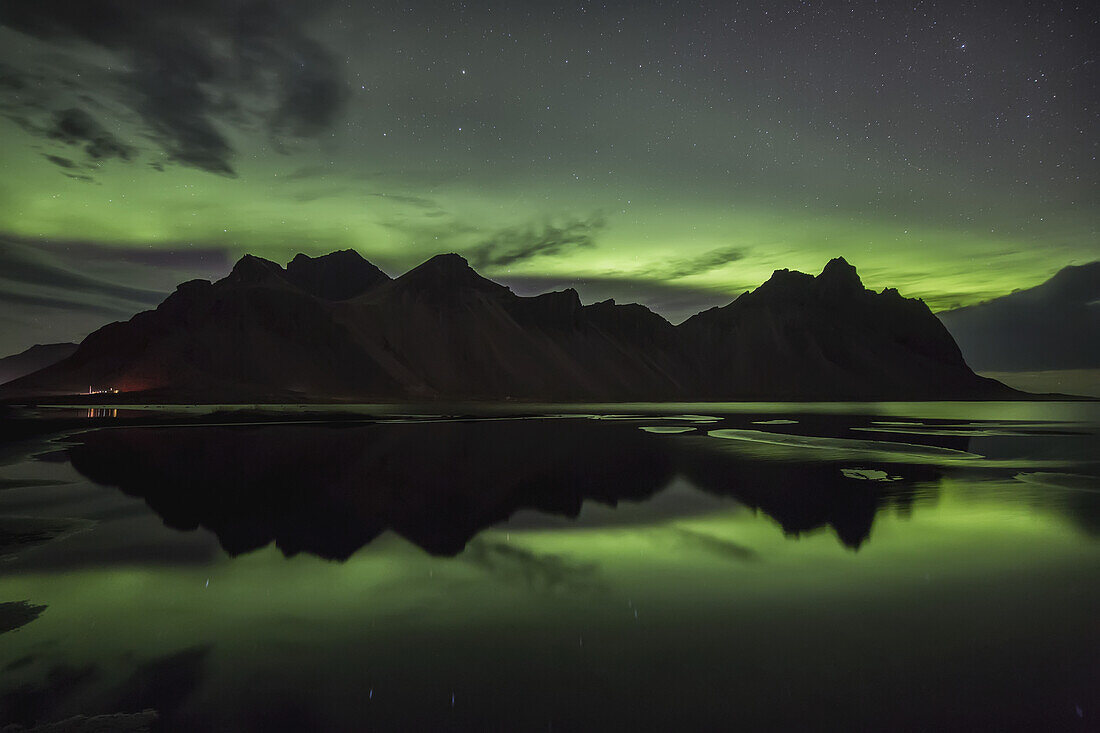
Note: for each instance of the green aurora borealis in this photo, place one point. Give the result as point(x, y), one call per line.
point(671, 155)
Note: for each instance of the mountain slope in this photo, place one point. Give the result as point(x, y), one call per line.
point(799, 337)
point(443, 330)
point(33, 359)
point(804, 337)
point(336, 327)
point(251, 333)
point(335, 276)
point(1055, 325)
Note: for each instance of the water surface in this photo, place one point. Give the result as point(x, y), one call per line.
point(893, 566)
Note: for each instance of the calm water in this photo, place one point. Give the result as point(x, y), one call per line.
point(630, 567)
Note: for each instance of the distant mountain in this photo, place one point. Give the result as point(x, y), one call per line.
point(1081, 382)
point(336, 327)
point(1055, 325)
point(33, 359)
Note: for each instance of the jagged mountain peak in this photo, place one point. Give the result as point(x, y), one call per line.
point(449, 264)
point(442, 331)
point(340, 255)
point(569, 297)
point(253, 270)
point(335, 276)
point(837, 279)
point(784, 278)
point(191, 291)
point(445, 273)
point(450, 259)
point(838, 272)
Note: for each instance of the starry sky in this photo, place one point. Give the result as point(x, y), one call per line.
point(672, 154)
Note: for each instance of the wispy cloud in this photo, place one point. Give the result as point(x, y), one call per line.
point(517, 244)
point(705, 262)
point(60, 290)
point(27, 266)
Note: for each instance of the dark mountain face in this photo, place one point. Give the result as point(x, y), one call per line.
point(446, 277)
point(335, 276)
point(1055, 325)
point(336, 327)
point(33, 359)
point(804, 337)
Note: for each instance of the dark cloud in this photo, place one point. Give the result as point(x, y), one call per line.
point(159, 686)
point(76, 127)
point(305, 172)
point(24, 661)
point(63, 303)
point(59, 290)
point(177, 256)
point(715, 258)
point(311, 90)
point(11, 79)
point(18, 613)
point(61, 162)
point(543, 571)
point(517, 244)
point(26, 266)
point(509, 246)
point(419, 202)
point(192, 67)
point(164, 684)
point(172, 99)
point(305, 197)
point(31, 702)
point(717, 546)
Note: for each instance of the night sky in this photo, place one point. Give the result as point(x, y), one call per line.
point(672, 154)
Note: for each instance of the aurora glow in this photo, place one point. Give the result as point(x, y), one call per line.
point(536, 615)
point(672, 155)
point(782, 586)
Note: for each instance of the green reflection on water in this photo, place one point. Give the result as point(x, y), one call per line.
point(980, 589)
point(663, 567)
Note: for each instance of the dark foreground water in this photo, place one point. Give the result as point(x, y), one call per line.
point(675, 567)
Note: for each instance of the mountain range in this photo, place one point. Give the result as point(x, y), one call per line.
point(338, 328)
point(1053, 326)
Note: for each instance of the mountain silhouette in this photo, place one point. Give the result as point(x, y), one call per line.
point(335, 276)
point(337, 327)
point(33, 359)
point(1055, 325)
point(330, 489)
point(815, 337)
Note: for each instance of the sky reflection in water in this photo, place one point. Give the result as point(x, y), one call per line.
point(567, 573)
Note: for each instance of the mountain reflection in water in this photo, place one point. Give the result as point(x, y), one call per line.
point(590, 571)
point(331, 489)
